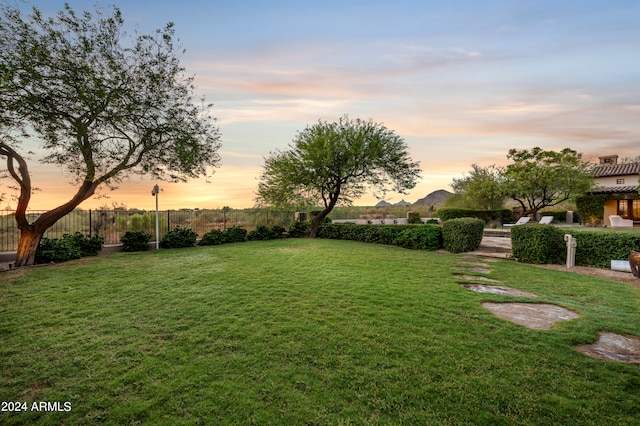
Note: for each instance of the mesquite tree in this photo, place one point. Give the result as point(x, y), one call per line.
point(337, 162)
point(101, 104)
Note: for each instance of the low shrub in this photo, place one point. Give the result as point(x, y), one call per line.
point(135, 241)
point(598, 247)
point(261, 233)
point(414, 218)
point(463, 234)
point(534, 243)
point(236, 234)
point(179, 238)
point(428, 237)
point(503, 215)
point(299, 229)
point(278, 231)
point(69, 247)
point(213, 238)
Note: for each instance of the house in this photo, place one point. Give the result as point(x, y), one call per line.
point(620, 183)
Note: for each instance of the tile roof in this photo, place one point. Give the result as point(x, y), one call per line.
point(614, 189)
point(618, 170)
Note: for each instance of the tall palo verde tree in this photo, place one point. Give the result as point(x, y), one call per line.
point(102, 104)
point(336, 162)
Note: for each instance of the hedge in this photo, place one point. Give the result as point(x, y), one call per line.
point(598, 247)
point(425, 237)
point(463, 234)
point(503, 215)
point(535, 243)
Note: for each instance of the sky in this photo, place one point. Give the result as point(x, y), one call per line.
point(462, 82)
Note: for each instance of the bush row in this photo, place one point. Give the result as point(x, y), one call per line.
point(69, 247)
point(503, 215)
point(533, 243)
point(455, 235)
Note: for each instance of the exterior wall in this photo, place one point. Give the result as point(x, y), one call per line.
point(612, 180)
point(610, 208)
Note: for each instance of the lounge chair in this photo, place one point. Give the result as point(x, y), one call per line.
point(546, 220)
point(618, 222)
point(521, 221)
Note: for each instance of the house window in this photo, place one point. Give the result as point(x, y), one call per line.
point(623, 208)
point(620, 181)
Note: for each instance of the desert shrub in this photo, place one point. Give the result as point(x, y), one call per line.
point(236, 234)
point(534, 243)
point(261, 233)
point(428, 237)
point(413, 217)
point(278, 231)
point(178, 238)
point(213, 238)
point(598, 248)
point(299, 229)
point(463, 234)
point(69, 247)
point(135, 241)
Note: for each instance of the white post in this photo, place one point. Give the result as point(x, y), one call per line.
point(155, 192)
point(571, 250)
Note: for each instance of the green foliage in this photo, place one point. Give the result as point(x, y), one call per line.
point(213, 238)
point(597, 247)
point(432, 222)
point(463, 234)
point(427, 237)
point(537, 178)
point(135, 241)
point(179, 238)
point(331, 163)
point(413, 217)
point(558, 215)
point(236, 234)
point(299, 229)
point(262, 233)
point(482, 188)
point(503, 215)
point(538, 244)
point(278, 231)
point(591, 208)
point(69, 247)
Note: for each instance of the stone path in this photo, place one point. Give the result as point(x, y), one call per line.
point(540, 316)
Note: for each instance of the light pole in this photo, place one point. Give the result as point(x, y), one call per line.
point(155, 192)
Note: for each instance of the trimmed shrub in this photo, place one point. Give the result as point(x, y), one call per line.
point(300, 229)
point(428, 237)
point(213, 238)
point(463, 234)
point(278, 231)
point(599, 247)
point(414, 218)
point(179, 238)
point(236, 234)
point(69, 247)
point(535, 243)
point(135, 241)
point(503, 215)
point(261, 233)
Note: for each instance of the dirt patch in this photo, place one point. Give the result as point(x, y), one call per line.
point(540, 316)
point(625, 277)
point(498, 289)
point(475, 278)
point(614, 347)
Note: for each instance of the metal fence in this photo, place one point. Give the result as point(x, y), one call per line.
point(112, 224)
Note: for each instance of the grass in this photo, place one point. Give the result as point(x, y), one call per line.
point(305, 332)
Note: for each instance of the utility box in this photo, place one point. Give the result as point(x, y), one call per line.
point(569, 218)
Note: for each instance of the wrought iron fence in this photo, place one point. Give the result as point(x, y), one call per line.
point(112, 224)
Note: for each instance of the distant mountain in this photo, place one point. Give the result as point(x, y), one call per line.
point(402, 203)
point(436, 197)
point(383, 203)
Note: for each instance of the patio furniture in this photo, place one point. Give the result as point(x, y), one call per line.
point(618, 222)
point(521, 221)
point(546, 220)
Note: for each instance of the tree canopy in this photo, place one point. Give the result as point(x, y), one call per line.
point(536, 178)
point(482, 188)
point(102, 103)
point(336, 162)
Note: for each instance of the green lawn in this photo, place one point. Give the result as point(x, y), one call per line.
point(305, 331)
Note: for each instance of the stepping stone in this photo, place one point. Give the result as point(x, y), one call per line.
point(477, 270)
point(614, 347)
point(475, 278)
point(538, 316)
point(498, 289)
point(478, 264)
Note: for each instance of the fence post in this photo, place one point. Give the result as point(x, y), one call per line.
point(90, 224)
point(168, 221)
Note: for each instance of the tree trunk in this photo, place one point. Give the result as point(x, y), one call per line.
point(27, 246)
point(317, 221)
